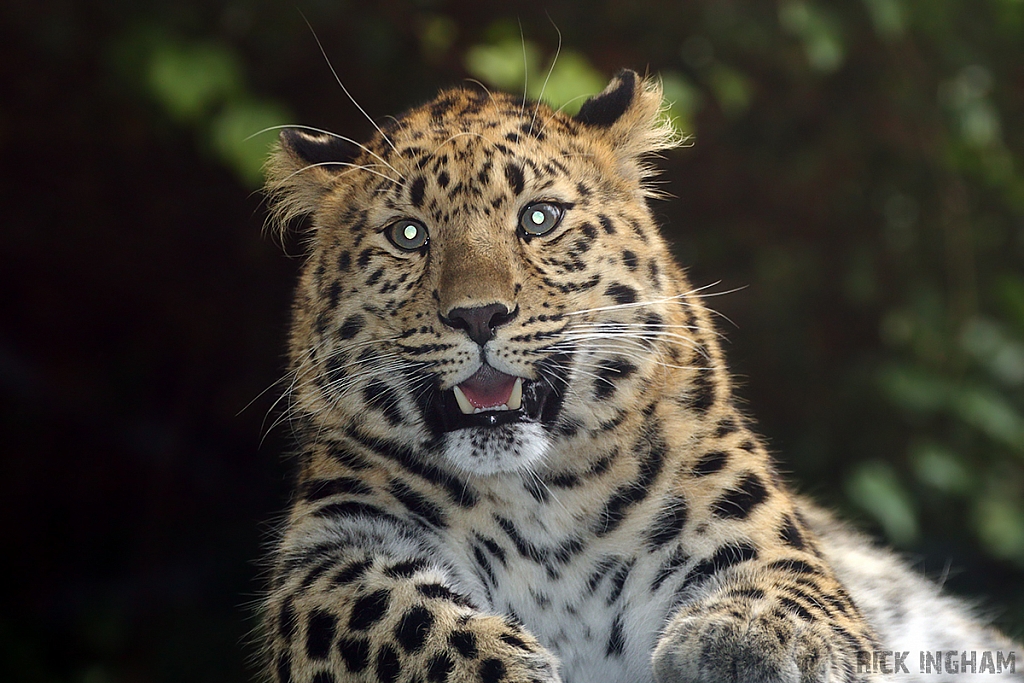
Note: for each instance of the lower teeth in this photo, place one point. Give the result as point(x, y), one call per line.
point(515, 400)
point(486, 410)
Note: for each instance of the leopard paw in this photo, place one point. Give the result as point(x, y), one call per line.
point(487, 649)
point(733, 643)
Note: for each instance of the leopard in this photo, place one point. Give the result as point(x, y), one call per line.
point(519, 451)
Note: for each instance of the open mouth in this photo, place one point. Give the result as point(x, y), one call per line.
point(490, 398)
point(489, 390)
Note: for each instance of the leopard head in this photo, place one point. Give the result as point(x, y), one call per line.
point(484, 277)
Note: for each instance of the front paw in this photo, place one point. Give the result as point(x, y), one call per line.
point(486, 649)
point(732, 642)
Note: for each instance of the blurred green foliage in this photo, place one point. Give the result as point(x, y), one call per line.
point(509, 62)
point(201, 85)
point(819, 31)
point(875, 486)
point(856, 167)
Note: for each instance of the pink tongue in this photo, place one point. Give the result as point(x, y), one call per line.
point(488, 388)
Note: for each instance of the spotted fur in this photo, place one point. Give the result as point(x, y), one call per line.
point(627, 525)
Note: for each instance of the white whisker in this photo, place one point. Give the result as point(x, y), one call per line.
point(647, 337)
point(459, 135)
point(352, 167)
point(333, 135)
point(526, 77)
point(568, 102)
point(532, 473)
point(554, 60)
point(343, 88)
point(481, 85)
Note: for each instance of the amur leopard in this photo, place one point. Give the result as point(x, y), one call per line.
point(519, 456)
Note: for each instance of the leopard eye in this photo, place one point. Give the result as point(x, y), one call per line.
point(407, 234)
point(540, 218)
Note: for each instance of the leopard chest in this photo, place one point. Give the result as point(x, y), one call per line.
point(581, 596)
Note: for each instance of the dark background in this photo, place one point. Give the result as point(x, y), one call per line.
point(856, 168)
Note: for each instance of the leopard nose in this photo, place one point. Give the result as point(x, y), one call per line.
point(479, 322)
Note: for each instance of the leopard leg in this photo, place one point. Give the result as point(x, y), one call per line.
point(785, 621)
point(348, 614)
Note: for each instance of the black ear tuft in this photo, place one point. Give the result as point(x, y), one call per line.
point(321, 149)
point(605, 108)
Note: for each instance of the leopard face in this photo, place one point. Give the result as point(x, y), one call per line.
point(486, 278)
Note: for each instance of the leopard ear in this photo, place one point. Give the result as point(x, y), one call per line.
point(301, 170)
point(629, 114)
point(607, 107)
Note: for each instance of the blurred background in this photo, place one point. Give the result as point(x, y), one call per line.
point(856, 167)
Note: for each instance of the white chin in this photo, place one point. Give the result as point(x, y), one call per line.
point(492, 450)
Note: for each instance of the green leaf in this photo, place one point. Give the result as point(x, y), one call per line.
point(875, 488)
point(505, 64)
point(989, 343)
point(572, 80)
point(992, 414)
point(564, 85)
point(914, 388)
point(818, 31)
point(888, 17)
point(232, 137)
point(188, 80)
point(437, 33)
point(683, 98)
point(941, 468)
point(999, 519)
point(732, 89)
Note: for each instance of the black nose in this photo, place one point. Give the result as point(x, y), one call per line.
point(479, 322)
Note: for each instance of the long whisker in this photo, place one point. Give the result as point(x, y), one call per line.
point(675, 298)
point(459, 135)
point(352, 167)
point(633, 355)
point(642, 329)
point(663, 364)
point(343, 88)
point(307, 372)
point(532, 473)
point(635, 335)
point(639, 345)
point(341, 388)
point(651, 331)
point(526, 76)
point(477, 83)
point(295, 374)
point(554, 60)
point(259, 395)
point(625, 327)
point(568, 102)
point(344, 384)
point(333, 135)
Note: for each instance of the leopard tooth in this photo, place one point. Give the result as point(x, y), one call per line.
point(464, 405)
point(515, 399)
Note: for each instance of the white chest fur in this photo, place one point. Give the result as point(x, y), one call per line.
point(531, 556)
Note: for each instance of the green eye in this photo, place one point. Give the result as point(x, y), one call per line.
point(407, 234)
point(540, 218)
